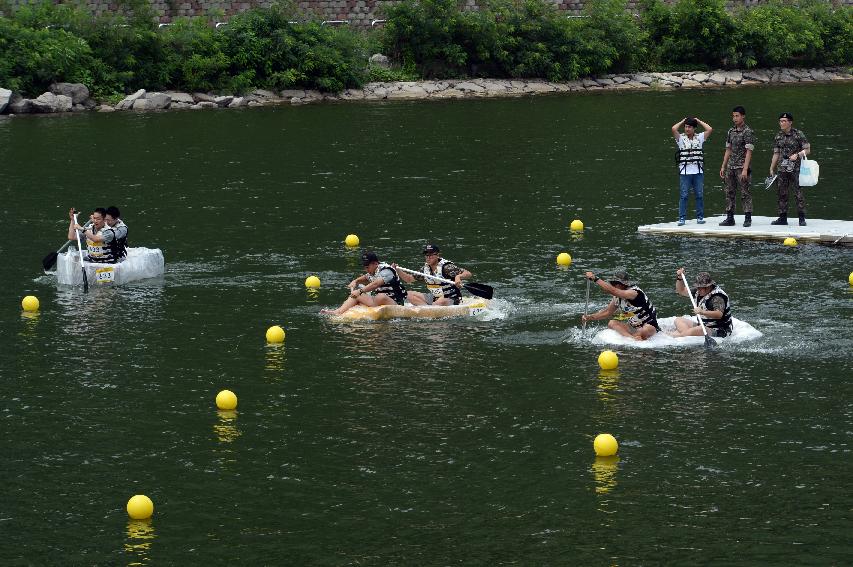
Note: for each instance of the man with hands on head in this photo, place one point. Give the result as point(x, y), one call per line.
point(691, 165)
point(632, 301)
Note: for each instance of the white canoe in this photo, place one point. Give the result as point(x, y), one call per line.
point(469, 307)
point(741, 331)
point(140, 263)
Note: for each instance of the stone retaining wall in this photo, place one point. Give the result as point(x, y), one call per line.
point(360, 13)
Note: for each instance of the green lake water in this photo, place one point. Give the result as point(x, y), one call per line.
point(419, 442)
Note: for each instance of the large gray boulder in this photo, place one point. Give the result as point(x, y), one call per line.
point(5, 98)
point(19, 105)
point(379, 60)
point(183, 98)
point(157, 101)
point(127, 102)
point(77, 91)
point(50, 103)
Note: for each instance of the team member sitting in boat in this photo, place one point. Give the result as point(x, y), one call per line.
point(382, 286)
point(632, 301)
point(712, 305)
point(113, 236)
point(440, 293)
point(94, 250)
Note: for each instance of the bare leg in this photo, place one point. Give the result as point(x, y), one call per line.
point(443, 301)
point(351, 302)
point(622, 328)
point(682, 326)
point(646, 332)
point(416, 298)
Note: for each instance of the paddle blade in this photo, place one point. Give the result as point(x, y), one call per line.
point(49, 261)
point(709, 342)
point(480, 290)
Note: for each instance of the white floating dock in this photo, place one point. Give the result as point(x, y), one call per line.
point(820, 231)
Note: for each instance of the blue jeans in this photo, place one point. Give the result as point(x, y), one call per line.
point(695, 181)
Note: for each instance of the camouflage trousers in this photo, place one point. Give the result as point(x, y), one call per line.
point(787, 182)
point(733, 182)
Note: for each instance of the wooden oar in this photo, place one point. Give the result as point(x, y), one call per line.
point(82, 266)
point(478, 289)
point(50, 260)
point(709, 342)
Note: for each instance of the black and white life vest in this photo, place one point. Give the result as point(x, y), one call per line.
point(97, 251)
point(704, 303)
point(393, 289)
point(691, 153)
point(440, 289)
point(117, 247)
point(640, 310)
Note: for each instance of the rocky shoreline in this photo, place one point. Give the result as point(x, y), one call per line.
point(75, 97)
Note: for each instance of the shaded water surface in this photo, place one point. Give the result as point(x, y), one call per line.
point(408, 442)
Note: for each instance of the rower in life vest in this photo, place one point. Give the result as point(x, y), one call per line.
point(629, 300)
point(712, 305)
point(90, 237)
point(379, 285)
point(108, 245)
point(440, 293)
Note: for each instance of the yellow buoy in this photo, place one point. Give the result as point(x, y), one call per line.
point(226, 400)
point(564, 259)
point(608, 360)
point(351, 240)
point(275, 334)
point(850, 278)
point(140, 507)
point(605, 445)
point(790, 241)
point(312, 282)
point(576, 226)
point(30, 303)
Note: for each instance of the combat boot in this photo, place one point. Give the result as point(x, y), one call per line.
point(730, 220)
point(747, 219)
point(803, 219)
point(783, 219)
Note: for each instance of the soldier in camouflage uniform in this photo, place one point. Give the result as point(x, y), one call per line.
point(789, 146)
point(735, 171)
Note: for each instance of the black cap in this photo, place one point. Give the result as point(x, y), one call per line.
point(369, 257)
point(787, 115)
point(430, 248)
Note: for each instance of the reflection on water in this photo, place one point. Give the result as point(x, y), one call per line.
point(312, 295)
point(226, 430)
point(140, 536)
point(604, 472)
point(275, 358)
point(608, 384)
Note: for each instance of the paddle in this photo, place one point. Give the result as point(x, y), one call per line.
point(586, 305)
point(709, 342)
point(50, 260)
point(82, 266)
point(478, 289)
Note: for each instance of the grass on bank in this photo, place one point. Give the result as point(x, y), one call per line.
point(278, 48)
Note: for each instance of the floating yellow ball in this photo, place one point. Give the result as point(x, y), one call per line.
point(790, 241)
point(608, 360)
point(576, 226)
point(275, 334)
point(605, 445)
point(226, 400)
point(564, 259)
point(140, 507)
point(30, 303)
point(351, 240)
point(312, 282)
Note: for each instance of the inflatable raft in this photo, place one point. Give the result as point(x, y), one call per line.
point(469, 307)
point(140, 263)
point(741, 331)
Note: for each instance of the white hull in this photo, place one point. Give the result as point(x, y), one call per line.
point(741, 331)
point(140, 263)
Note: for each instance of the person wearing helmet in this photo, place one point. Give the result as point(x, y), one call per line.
point(379, 285)
point(642, 317)
point(440, 293)
point(712, 305)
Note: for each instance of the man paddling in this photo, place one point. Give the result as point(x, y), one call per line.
point(439, 293)
point(632, 301)
point(712, 305)
point(106, 240)
point(94, 250)
point(382, 286)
